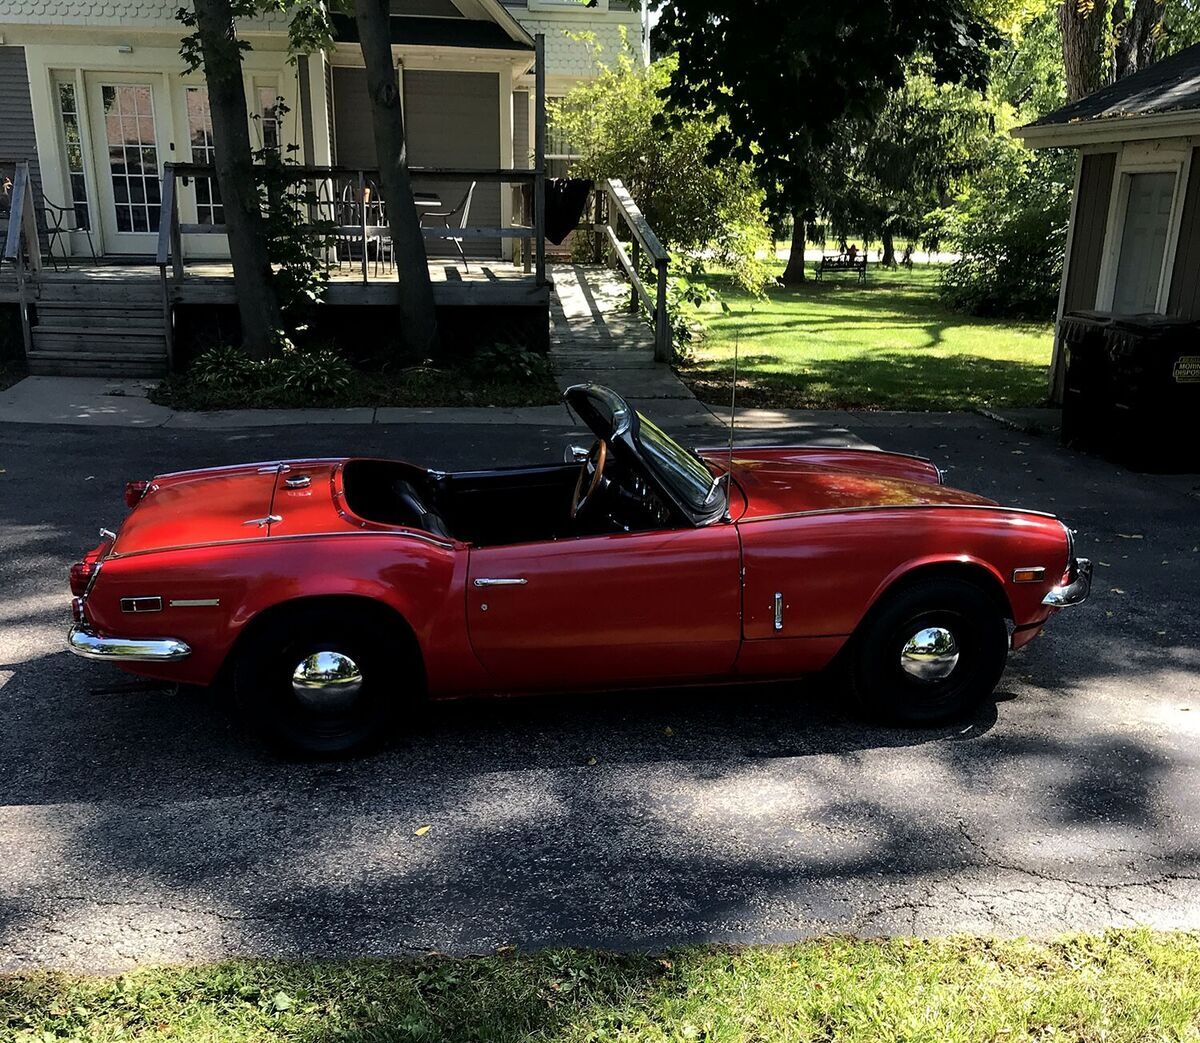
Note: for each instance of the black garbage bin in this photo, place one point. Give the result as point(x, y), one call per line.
point(1087, 392)
point(1133, 389)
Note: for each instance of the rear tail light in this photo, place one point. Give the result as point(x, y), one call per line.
point(81, 575)
point(134, 491)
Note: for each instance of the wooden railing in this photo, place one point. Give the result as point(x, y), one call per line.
point(21, 244)
point(620, 209)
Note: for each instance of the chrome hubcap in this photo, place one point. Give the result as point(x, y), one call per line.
point(931, 654)
point(327, 680)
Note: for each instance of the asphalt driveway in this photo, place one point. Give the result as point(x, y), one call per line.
point(138, 824)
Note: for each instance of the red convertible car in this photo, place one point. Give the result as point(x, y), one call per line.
point(333, 592)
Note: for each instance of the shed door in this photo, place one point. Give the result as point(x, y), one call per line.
point(1144, 242)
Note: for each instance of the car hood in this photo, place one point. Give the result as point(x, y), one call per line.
point(221, 504)
point(780, 481)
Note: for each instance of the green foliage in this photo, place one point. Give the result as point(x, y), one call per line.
point(616, 124)
point(1011, 233)
point(686, 294)
point(779, 75)
point(309, 375)
point(313, 374)
point(511, 362)
point(297, 240)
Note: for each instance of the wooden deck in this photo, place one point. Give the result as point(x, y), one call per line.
point(487, 284)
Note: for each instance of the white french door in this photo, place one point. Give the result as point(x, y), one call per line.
point(125, 114)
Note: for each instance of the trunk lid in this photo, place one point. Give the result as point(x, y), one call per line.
point(194, 508)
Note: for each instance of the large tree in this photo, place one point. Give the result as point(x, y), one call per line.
point(417, 329)
point(781, 74)
point(1104, 40)
point(215, 46)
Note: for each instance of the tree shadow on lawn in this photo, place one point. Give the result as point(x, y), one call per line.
point(879, 380)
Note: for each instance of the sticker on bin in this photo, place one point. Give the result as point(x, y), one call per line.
point(1187, 369)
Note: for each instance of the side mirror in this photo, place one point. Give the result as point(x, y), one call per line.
point(575, 454)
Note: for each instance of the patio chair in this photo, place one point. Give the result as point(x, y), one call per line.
point(61, 220)
point(459, 214)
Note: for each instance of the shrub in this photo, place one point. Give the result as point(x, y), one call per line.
point(313, 374)
point(511, 362)
point(226, 368)
point(1012, 238)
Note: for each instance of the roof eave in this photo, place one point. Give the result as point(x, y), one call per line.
point(1111, 129)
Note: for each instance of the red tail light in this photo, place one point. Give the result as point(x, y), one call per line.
point(134, 491)
point(81, 574)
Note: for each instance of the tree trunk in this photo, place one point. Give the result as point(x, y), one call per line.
point(258, 306)
point(1138, 32)
point(417, 327)
point(794, 273)
point(1085, 34)
point(888, 260)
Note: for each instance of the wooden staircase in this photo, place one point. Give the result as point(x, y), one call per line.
point(95, 328)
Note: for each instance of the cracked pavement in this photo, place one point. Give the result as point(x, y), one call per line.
point(138, 824)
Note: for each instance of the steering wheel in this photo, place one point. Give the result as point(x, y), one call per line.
point(596, 459)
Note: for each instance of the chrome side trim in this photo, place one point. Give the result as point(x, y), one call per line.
point(1074, 593)
point(403, 534)
point(84, 641)
point(194, 602)
point(901, 507)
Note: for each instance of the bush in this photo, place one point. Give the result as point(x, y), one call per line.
point(312, 374)
point(511, 362)
point(1012, 238)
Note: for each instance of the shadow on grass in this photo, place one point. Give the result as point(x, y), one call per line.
point(882, 380)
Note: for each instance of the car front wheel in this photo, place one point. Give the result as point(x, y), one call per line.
point(930, 653)
point(319, 681)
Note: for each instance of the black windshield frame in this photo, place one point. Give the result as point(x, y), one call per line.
point(681, 478)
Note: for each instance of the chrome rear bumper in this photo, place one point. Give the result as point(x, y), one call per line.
point(1076, 591)
point(84, 641)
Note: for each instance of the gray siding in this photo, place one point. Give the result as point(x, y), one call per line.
point(354, 136)
point(1185, 282)
point(453, 120)
point(1091, 220)
point(17, 139)
point(522, 146)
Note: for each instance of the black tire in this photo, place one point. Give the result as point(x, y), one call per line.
point(323, 722)
point(879, 673)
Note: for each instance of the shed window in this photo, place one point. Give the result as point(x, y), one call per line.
point(1144, 242)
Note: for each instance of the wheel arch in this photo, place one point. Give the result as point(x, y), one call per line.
point(342, 603)
point(972, 570)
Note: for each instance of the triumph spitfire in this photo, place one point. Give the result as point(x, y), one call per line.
point(331, 593)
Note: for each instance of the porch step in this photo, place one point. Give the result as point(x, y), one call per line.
point(100, 290)
point(57, 362)
point(86, 315)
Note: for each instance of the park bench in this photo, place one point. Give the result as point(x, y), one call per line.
point(843, 263)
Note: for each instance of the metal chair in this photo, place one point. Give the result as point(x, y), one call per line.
point(60, 221)
point(461, 213)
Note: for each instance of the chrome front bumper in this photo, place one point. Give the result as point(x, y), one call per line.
point(84, 641)
point(1076, 591)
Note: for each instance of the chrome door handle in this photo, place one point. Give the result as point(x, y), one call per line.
point(500, 582)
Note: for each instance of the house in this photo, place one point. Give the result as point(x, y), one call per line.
point(1133, 246)
point(95, 97)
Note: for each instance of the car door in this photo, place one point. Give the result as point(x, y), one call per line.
point(599, 611)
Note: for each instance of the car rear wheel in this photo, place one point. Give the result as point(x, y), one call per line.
point(321, 681)
point(930, 653)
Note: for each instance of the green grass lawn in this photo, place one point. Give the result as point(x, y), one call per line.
point(886, 345)
point(1120, 988)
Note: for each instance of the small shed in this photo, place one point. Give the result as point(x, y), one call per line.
point(1133, 247)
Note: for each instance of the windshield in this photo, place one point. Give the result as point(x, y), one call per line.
point(682, 472)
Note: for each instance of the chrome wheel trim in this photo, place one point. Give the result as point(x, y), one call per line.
point(327, 680)
point(930, 655)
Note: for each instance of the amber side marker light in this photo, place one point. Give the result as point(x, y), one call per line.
point(134, 491)
point(1029, 575)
